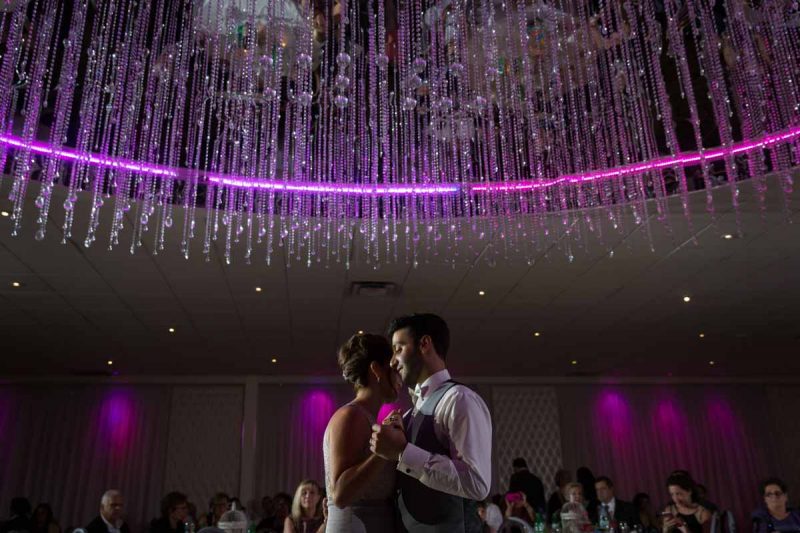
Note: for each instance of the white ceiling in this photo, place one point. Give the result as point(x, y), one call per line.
point(617, 316)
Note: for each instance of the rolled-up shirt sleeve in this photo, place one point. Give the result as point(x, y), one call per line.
point(463, 416)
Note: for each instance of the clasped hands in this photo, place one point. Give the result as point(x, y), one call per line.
point(389, 438)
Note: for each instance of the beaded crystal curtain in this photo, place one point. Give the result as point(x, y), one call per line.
point(414, 123)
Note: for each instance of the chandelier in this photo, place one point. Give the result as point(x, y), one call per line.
point(410, 124)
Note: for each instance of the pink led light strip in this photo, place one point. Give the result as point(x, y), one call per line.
point(678, 160)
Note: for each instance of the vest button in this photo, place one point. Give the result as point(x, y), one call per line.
point(408, 470)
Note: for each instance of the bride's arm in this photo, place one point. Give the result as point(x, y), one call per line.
point(351, 472)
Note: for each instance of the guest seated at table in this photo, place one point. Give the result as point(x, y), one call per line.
point(112, 514)
point(700, 492)
point(647, 518)
point(574, 519)
point(518, 507)
point(306, 514)
point(702, 498)
point(283, 507)
point(618, 511)
point(684, 514)
point(491, 516)
point(775, 515)
point(219, 505)
point(585, 477)
point(558, 498)
point(268, 515)
point(174, 510)
point(43, 520)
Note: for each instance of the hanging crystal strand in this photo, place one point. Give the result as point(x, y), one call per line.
point(642, 92)
point(13, 23)
point(616, 78)
point(45, 177)
point(511, 130)
point(148, 146)
point(619, 190)
point(400, 154)
point(575, 116)
point(42, 41)
point(752, 80)
point(63, 104)
point(128, 113)
point(708, 60)
point(177, 118)
point(90, 101)
point(106, 127)
point(196, 98)
point(115, 82)
point(581, 116)
point(153, 186)
point(679, 54)
point(653, 46)
point(491, 102)
point(783, 108)
point(559, 110)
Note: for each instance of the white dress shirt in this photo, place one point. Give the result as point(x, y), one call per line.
point(111, 527)
point(611, 506)
point(461, 421)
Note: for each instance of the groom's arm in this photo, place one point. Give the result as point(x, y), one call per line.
point(467, 423)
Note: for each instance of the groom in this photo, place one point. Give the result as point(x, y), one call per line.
point(444, 447)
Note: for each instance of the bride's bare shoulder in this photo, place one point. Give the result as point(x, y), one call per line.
point(349, 416)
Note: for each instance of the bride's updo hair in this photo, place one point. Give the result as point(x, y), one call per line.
point(358, 352)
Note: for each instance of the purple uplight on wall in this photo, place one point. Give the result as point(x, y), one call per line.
point(318, 408)
point(722, 417)
point(669, 416)
point(116, 418)
point(614, 412)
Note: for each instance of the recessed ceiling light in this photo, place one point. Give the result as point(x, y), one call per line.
point(481, 293)
point(110, 362)
point(274, 360)
point(702, 335)
point(727, 236)
point(4, 213)
point(361, 332)
point(16, 284)
point(537, 334)
point(574, 362)
point(258, 289)
point(172, 330)
point(712, 363)
point(687, 299)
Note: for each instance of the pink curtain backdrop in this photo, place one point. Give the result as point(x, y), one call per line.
point(637, 435)
point(66, 445)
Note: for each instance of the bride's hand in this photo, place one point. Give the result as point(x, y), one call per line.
point(395, 418)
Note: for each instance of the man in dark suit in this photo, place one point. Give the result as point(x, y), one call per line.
point(523, 480)
point(618, 511)
point(111, 517)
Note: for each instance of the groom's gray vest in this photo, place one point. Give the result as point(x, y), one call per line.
point(425, 510)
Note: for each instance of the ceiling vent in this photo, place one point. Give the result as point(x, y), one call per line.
point(373, 289)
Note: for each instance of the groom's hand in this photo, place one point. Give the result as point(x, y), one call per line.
point(388, 441)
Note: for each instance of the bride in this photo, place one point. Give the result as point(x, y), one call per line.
point(360, 485)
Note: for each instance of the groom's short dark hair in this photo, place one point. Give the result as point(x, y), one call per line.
point(421, 324)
